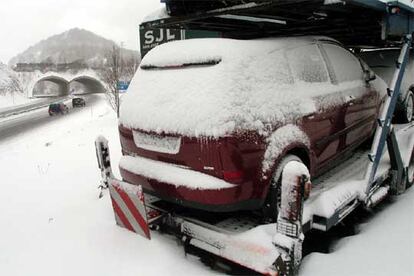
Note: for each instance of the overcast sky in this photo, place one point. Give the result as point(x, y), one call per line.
point(23, 23)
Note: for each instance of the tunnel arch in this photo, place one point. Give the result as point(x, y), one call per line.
point(52, 85)
point(62, 84)
point(84, 84)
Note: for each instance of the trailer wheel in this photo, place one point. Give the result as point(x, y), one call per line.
point(272, 204)
point(405, 113)
point(410, 171)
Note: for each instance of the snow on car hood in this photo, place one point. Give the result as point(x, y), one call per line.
point(248, 86)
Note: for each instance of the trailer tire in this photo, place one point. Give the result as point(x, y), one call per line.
point(410, 171)
point(405, 111)
point(272, 204)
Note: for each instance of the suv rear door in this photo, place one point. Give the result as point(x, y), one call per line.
point(309, 68)
point(360, 99)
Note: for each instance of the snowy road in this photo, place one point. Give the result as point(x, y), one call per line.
point(33, 105)
point(19, 124)
point(52, 223)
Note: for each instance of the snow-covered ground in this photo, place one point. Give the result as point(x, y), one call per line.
point(52, 222)
point(13, 99)
point(384, 245)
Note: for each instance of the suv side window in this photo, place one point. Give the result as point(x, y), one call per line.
point(344, 64)
point(307, 64)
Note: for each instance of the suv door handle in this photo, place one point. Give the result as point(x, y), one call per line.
point(349, 98)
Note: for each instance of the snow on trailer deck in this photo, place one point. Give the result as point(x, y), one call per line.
point(338, 192)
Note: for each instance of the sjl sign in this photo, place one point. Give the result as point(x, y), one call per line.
point(153, 37)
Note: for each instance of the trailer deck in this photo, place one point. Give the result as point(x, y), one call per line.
point(338, 192)
point(242, 237)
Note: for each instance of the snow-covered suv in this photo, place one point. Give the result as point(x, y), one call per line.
point(210, 123)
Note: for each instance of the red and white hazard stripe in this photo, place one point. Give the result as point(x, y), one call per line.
point(129, 207)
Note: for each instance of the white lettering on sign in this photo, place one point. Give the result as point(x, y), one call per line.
point(160, 38)
point(169, 35)
point(149, 37)
point(162, 35)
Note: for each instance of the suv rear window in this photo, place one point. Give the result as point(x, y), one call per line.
point(344, 64)
point(307, 64)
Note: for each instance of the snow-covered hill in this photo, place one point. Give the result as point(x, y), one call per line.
point(70, 46)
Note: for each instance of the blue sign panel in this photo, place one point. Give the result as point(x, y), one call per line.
point(123, 86)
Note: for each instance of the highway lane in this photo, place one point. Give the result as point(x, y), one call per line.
point(9, 111)
point(18, 124)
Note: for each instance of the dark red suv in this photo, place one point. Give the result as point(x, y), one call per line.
point(210, 123)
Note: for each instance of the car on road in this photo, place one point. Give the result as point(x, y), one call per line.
point(383, 62)
point(78, 102)
point(211, 123)
point(58, 108)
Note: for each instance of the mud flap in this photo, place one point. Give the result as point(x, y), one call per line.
point(128, 203)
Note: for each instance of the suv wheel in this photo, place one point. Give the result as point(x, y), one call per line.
point(272, 204)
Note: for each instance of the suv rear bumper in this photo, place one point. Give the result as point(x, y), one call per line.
point(192, 189)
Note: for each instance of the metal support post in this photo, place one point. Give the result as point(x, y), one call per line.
point(398, 182)
point(289, 237)
point(385, 120)
point(104, 162)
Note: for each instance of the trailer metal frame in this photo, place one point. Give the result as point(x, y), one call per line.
point(382, 24)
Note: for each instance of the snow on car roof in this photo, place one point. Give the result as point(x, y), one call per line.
point(216, 49)
point(249, 86)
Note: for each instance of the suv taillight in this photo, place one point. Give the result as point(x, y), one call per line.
point(233, 176)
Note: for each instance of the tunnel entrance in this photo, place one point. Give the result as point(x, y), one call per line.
point(85, 85)
point(55, 86)
point(50, 87)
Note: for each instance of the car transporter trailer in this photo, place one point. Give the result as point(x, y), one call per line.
point(364, 179)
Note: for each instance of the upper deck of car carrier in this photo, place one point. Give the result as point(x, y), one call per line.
point(362, 23)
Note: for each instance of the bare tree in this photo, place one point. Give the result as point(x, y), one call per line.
point(10, 84)
point(118, 67)
point(111, 74)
